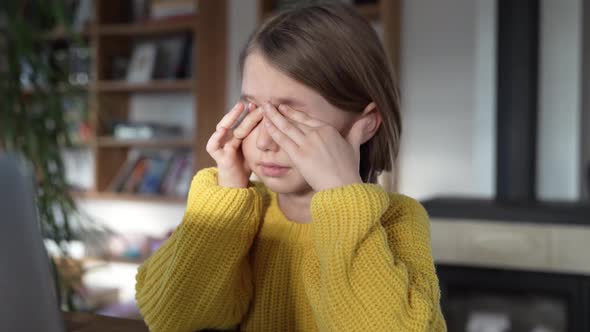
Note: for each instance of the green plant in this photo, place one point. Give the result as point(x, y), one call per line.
point(32, 118)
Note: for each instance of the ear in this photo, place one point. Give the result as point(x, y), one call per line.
point(370, 121)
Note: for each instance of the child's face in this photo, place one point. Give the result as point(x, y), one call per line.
point(261, 83)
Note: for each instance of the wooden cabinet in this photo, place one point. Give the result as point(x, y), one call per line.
point(112, 35)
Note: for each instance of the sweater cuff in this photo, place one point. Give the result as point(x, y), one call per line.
point(223, 206)
point(342, 216)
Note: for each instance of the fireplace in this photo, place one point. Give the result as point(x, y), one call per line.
point(478, 299)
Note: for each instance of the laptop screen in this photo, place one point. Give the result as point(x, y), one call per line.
point(28, 300)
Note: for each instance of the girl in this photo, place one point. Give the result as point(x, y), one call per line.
point(315, 245)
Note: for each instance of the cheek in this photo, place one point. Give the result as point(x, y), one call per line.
point(249, 144)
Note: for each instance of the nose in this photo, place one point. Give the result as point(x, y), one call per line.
point(264, 141)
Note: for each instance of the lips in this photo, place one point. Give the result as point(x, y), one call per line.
point(273, 170)
point(272, 165)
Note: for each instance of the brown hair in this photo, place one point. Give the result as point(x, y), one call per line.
point(333, 50)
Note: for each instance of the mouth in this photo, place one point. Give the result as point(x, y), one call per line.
point(273, 170)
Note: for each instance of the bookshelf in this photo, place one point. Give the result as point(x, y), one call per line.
point(112, 34)
point(180, 85)
point(153, 28)
point(106, 142)
point(388, 14)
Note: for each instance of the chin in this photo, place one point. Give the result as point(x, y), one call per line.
point(284, 185)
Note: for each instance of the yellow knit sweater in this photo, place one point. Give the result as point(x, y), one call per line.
point(235, 261)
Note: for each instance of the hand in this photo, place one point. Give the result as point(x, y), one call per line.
point(225, 145)
point(322, 155)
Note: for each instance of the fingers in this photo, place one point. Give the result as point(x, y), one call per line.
point(284, 141)
point(249, 122)
point(283, 124)
point(215, 140)
point(231, 117)
point(223, 128)
point(299, 116)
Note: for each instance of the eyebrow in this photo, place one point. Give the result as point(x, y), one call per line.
point(286, 100)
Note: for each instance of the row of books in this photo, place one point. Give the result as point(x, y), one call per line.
point(155, 172)
point(165, 9)
point(137, 130)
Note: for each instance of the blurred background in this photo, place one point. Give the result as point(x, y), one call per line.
point(114, 101)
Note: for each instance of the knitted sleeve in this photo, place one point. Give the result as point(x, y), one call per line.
point(372, 269)
point(200, 277)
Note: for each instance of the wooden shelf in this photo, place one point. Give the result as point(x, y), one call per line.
point(110, 142)
point(132, 197)
point(369, 11)
point(107, 260)
point(148, 28)
point(27, 92)
point(63, 34)
point(153, 86)
point(80, 144)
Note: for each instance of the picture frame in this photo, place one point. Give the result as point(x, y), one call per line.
point(141, 66)
point(170, 56)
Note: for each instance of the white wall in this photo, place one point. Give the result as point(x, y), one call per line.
point(242, 21)
point(449, 93)
point(560, 100)
point(448, 98)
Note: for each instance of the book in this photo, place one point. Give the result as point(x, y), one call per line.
point(176, 165)
point(145, 130)
point(154, 172)
point(170, 57)
point(137, 175)
point(141, 66)
point(157, 167)
point(169, 8)
point(183, 182)
point(124, 173)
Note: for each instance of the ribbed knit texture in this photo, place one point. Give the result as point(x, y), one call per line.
point(235, 261)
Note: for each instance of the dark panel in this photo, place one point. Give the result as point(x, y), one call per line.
point(481, 209)
point(518, 31)
point(571, 288)
point(585, 123)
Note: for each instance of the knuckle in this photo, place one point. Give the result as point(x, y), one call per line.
point(285, 127)
point(315, 134)
point(288, 130)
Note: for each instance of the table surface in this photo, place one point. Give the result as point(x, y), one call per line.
point(85, 322)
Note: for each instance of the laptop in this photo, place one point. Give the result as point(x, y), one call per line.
point(28, 300)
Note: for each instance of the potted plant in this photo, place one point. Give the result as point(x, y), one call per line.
point(34, 89)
